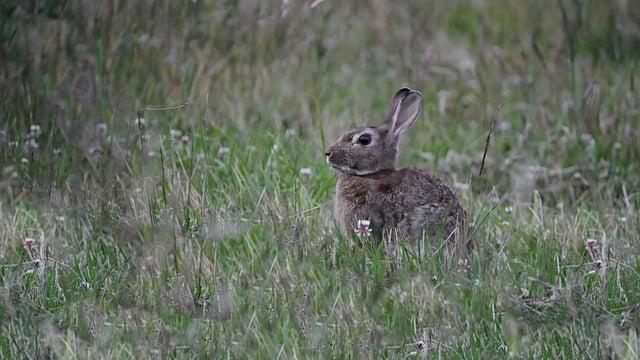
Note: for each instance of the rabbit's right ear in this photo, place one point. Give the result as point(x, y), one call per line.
point(400, 94)
point(405, 115)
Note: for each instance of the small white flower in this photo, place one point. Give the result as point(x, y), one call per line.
point(363, 229)
point(57, 152)
point(305, 172)
point(222, 151)
point(24, 161)
point(28, 242)
point(95, 150)
point(139, 121)
point(85, 286)
point(35, 131)
point(101, 129)
point(593, 248)
point(175, 134)
point(508, 209)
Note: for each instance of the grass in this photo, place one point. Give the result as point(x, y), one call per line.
point(194, 233)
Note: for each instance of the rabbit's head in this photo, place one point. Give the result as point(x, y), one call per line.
point(366, 150)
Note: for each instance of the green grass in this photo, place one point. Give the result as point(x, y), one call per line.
point(212, 244)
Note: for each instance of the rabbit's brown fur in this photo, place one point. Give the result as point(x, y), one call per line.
point(401, 203)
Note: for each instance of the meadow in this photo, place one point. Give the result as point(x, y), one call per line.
point(164, 191)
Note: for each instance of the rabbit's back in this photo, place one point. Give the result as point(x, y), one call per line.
point(432, 207)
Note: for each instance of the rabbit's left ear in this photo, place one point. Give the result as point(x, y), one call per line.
point(405, 114)
point(395, 102)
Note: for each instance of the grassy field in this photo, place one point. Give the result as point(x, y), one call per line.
point(164, 191)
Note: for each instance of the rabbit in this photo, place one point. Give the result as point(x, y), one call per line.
point(394, 203)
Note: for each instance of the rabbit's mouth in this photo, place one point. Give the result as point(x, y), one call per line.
point(341, 168)
point(350, 170)
point(342, 165)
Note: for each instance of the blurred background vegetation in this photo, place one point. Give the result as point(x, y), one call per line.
point(239, 96)
point(563, 72)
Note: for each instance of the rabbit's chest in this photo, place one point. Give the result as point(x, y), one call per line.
point(362, 199)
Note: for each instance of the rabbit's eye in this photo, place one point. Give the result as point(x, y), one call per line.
point(364, 139)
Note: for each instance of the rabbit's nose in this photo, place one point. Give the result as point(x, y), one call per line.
point(328, 153)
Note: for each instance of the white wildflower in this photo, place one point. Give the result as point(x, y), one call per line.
point(101, 129)
point(95, 150)
point(363, 229)
point(28, 242)
point(175, 135)
point(305, 172)
point(35, 131)
point(85, 286)
point(139, 121)
point(222, 151)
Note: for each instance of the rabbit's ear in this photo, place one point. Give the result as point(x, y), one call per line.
point(405, 114)
point(400, 94)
